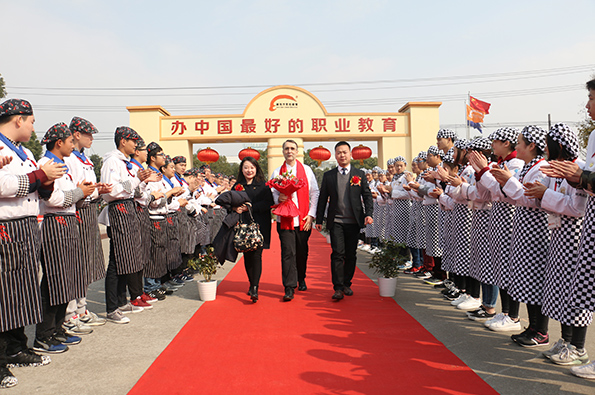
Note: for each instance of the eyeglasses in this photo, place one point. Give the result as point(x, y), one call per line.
point(161, 154)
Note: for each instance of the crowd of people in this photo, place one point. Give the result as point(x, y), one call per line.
point(508, 216)
point(511, 215)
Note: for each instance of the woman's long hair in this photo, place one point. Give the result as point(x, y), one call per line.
point(259, 177)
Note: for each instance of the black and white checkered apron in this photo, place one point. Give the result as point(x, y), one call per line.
point(382, 221)
point(145, 232)
point(125, 236)
point(583, 282)
point(91, 248)
point(561, 266)
point(399, 221)
point(461, 240)
point(481, 262)
point(432, 230)
point(528, 255)
point(174, 254)
point(62, 259)
point(500, 237)
point(372, 229)
point(413, 239)
point(446, 241)
point(20, 295)
point(157, 265)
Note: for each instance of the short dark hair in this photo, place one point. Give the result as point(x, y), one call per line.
point(557, 151)
point(151, 156)
point(537, 149)
point(50, 146)
point(290, 141)
point(591, 85)
point(9, 118)
point(340, 143)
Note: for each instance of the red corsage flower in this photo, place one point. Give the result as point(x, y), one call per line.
point(239, 187)
point(355, 180)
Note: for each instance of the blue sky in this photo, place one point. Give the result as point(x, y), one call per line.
point(258, 44)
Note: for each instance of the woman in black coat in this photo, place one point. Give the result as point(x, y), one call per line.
point(251, 179)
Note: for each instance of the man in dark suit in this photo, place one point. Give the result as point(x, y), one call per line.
point(345, 189)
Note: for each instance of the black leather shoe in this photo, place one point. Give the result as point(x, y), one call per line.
point(338, 295)
point(288, 294)
point(254, 293)
point(347, 291)
point(302, 286)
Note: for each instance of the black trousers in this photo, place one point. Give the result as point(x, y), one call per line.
point(575, 335)
point(115, 284)
point(52, 316)
point(294, 255)
point(344, 255)
point(12, 342)
point(253, 265)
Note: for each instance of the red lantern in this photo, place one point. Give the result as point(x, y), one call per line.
point(208, 155)
point(320, 154)
point(249, 152)
point(360, 153)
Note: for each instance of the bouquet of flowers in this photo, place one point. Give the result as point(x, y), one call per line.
point(286, 183)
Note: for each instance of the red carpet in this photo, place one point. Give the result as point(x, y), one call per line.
point(363, 344)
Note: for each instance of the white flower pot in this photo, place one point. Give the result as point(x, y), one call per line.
point(387, 286)
point(207, 290)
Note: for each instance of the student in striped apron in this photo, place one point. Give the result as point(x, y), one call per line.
point(78, 319)
point(177, 202)
point(142, 196)
point(64, 271)
point(21, 187)
point(186, 228)
point(125, 258)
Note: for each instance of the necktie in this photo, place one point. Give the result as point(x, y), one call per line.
point(343, 171)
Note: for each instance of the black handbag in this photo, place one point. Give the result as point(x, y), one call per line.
point(247, 236)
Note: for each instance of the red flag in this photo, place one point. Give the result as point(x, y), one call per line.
point(479, 105)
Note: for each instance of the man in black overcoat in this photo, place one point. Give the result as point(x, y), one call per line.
point(350, 208)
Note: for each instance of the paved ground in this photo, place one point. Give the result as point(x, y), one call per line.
point(112, 359)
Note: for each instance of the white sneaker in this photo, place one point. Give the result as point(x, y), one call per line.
point(505, 325)
point(117, 317)
point(74, 326)
point(91, 319)
point(470, 304)
point(497, 317)
point(459, 300)
point(406, 265)
point(130, 308)
point(555, 349)
point(366, 248)
point(570, 355)
point(585, 371)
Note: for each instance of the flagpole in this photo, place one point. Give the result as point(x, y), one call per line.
point(466, 121)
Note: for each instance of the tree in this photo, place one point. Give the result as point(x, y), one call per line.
point(309, 161)
point(221, 166)
point(368, 163)
point(584, 130)
point(34, 145)
point(97, 163)
point(263, 162)
point(2, 87)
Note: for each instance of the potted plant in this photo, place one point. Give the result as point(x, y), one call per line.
point(385, 264)
point(206, 265)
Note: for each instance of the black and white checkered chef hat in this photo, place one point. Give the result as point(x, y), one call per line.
point(535, 134)
point(479, 144)
point(446, 134)
point(566, 137)
point(505, 134)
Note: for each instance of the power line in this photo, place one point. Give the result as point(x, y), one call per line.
point(555, 71)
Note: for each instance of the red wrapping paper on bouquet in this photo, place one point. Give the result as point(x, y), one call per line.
point(287, 210)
